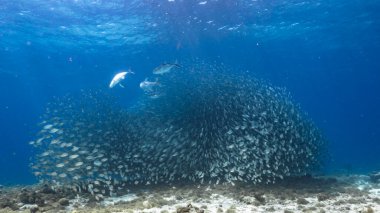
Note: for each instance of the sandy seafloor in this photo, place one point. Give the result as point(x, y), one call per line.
point(352, 193)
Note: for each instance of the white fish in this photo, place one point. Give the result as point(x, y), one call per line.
point(73, 156)
point(80, 163)
point(97, 163)
point(71, 169)
point(63, 175)
point(45, 154)
point(48, 126)
point(54, 130)
point(148, 85)
point(118, 78)
point(164, 68)
point(64, 155)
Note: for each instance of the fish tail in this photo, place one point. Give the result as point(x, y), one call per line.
point(176, 64)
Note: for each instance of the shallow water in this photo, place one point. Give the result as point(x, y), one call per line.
point(315, 59)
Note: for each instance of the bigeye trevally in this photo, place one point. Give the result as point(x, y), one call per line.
point(119, 77)
point(165, 68)
point(147, 85)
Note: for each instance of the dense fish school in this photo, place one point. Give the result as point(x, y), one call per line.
point(204, 125)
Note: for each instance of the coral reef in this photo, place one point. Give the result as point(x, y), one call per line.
point(345, 195)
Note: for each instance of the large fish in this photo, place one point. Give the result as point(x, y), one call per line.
point(150, 88)
point(118, 78)
point(148, 85)
point(165, 68)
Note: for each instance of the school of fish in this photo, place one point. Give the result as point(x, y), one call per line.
point(207, 126)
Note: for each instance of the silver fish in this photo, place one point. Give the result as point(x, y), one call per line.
point(165, 68)
point(147, 85)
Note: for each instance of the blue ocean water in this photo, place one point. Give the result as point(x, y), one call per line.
point(326, 53)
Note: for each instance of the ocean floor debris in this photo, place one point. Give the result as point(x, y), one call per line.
point(318, 194)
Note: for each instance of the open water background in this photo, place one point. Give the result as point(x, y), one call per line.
point(326, 53)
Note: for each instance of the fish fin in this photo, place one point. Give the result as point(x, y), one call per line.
point(130, 71)
point(177, 65)
point(121, 85)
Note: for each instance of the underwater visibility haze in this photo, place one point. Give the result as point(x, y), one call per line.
point(107, 94)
